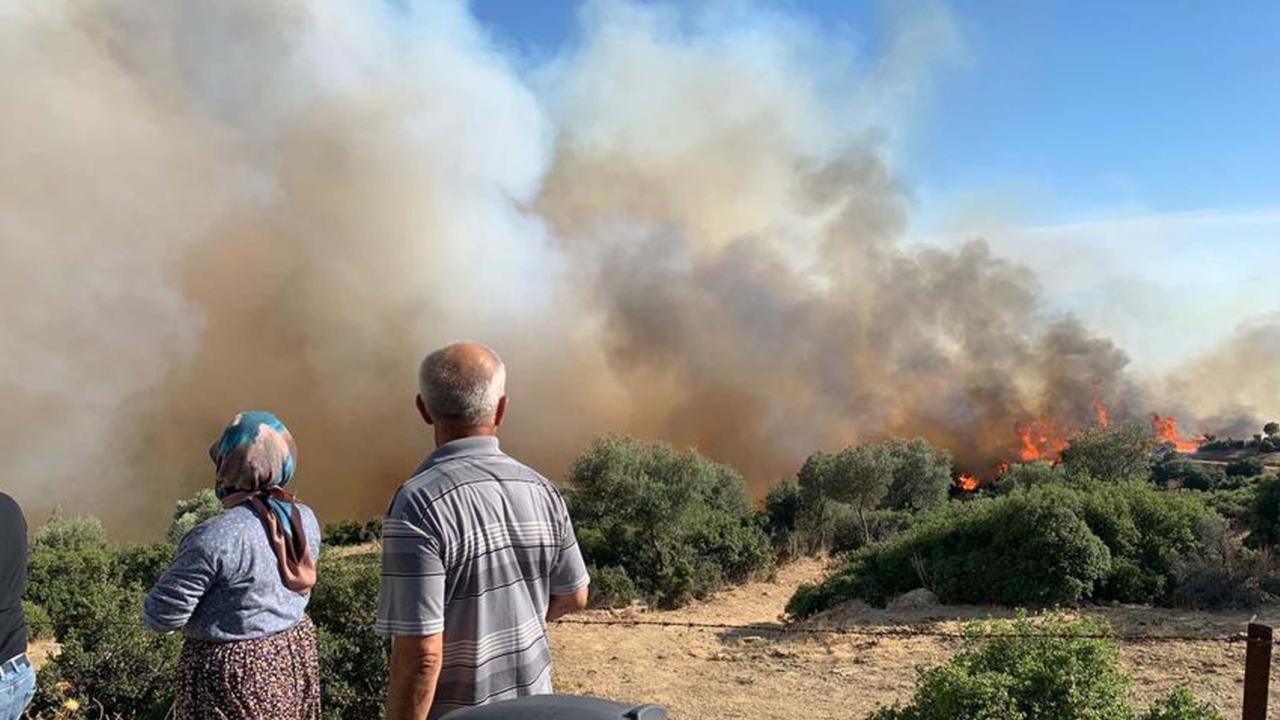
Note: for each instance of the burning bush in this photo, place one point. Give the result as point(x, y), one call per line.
point(1063, 672)
point(1053, 544)
point(678, 524)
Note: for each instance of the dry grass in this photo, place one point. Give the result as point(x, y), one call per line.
point(700, 673)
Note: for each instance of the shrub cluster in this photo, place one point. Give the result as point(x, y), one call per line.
point(353, 658)
point(352, 532)
point(866, 493)
point(675, 525)
point(1064, 671)
point(1052, 544)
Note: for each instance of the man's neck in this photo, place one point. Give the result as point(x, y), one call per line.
point(445, 434)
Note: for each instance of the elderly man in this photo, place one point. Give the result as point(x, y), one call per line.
point(478, 553)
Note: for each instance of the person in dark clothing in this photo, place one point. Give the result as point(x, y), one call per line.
point(17, 677)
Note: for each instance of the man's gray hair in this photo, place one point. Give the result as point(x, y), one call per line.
point(463, 382)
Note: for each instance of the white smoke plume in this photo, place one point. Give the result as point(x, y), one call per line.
point(687, 227)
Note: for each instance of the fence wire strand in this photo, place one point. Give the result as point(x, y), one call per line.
point(903, 632)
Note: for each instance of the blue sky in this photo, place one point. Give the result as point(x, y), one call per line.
point(1129, 151)
point(1085, 108)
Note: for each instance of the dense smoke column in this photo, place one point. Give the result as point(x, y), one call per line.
point(688, 227)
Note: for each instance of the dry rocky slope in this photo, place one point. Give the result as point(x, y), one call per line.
point(706, 674)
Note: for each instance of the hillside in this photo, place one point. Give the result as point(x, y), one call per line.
point(705, 674)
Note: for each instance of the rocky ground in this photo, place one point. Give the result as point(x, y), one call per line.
point(715, 673)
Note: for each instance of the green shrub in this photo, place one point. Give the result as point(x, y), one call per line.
point(39, 624)
point(1264, 515)
point(1049, 545)
point(1233, 504)
point(781, 518)
point(353, 658)
point(865, 493)
point(1050, 670)
point(1180, 704)
point(1000, 676)
point(1193, 476)
point(140, 566)
point(1020, 549)
point(70, 533)
point(109, 661)
point(1110, 454)
point(59, 576)
point(351, 532)
point(1220, 571)
point(1246, 468)
point(611, 587)
point(680, 525)
point(1025, 476)
point(191, 512)
point(1144, 529)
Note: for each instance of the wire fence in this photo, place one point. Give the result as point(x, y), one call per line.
point(902, 632)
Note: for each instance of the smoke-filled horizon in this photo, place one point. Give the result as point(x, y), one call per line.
point(688, 227)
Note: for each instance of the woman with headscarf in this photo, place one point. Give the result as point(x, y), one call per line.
point(239, 587)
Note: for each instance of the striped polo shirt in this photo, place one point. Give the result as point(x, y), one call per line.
point(473, 546)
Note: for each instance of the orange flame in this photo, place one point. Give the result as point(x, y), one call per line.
point(1166, 430)
point(1101, 413)
point(1039, 440)
point(967, 482)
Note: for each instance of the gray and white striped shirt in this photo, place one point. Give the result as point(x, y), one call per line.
point(474, 545)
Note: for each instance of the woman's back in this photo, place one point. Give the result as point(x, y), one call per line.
point(225, 583)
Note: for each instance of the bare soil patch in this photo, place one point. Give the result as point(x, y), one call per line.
point(709, 673)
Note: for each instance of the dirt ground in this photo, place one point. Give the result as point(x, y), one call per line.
point(710, 673)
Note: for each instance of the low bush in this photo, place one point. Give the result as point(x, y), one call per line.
point(351, 532)
point(611, 587)
point(1024, 476)
point(1118, 453)
point(1050, 670)
point(1220, 571)
point(1264, 515)
point(1181, 704)
point(1174, 473)
point(109, 664)
point(353, 658)
point(191, 512)
point(680, 525)
point(1052, 544)
point(1020, 549)
point(1246, 468)
point(39, 624)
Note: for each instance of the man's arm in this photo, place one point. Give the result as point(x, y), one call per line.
point(562, 605)
point(415, 669)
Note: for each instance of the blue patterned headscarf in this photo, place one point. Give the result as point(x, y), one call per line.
point(255, 458)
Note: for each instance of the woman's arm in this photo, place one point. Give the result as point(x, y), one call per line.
point(171, 602)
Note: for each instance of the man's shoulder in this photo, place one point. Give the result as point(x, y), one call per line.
point(443, 478)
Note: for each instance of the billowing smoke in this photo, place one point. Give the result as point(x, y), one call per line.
point(688, 227)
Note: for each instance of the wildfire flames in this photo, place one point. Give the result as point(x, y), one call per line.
point(1166, 430)
point(1040, 440)
point(1044, 440)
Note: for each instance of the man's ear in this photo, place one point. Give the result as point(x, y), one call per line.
point(502, 410)
point(422, 410)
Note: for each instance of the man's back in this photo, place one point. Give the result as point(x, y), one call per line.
point(474, 545)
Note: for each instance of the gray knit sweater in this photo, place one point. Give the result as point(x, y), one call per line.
point(225, 583)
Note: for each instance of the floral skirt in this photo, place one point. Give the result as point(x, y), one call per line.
point(276, 677)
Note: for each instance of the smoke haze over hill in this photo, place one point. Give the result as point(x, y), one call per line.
point(688, 227)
